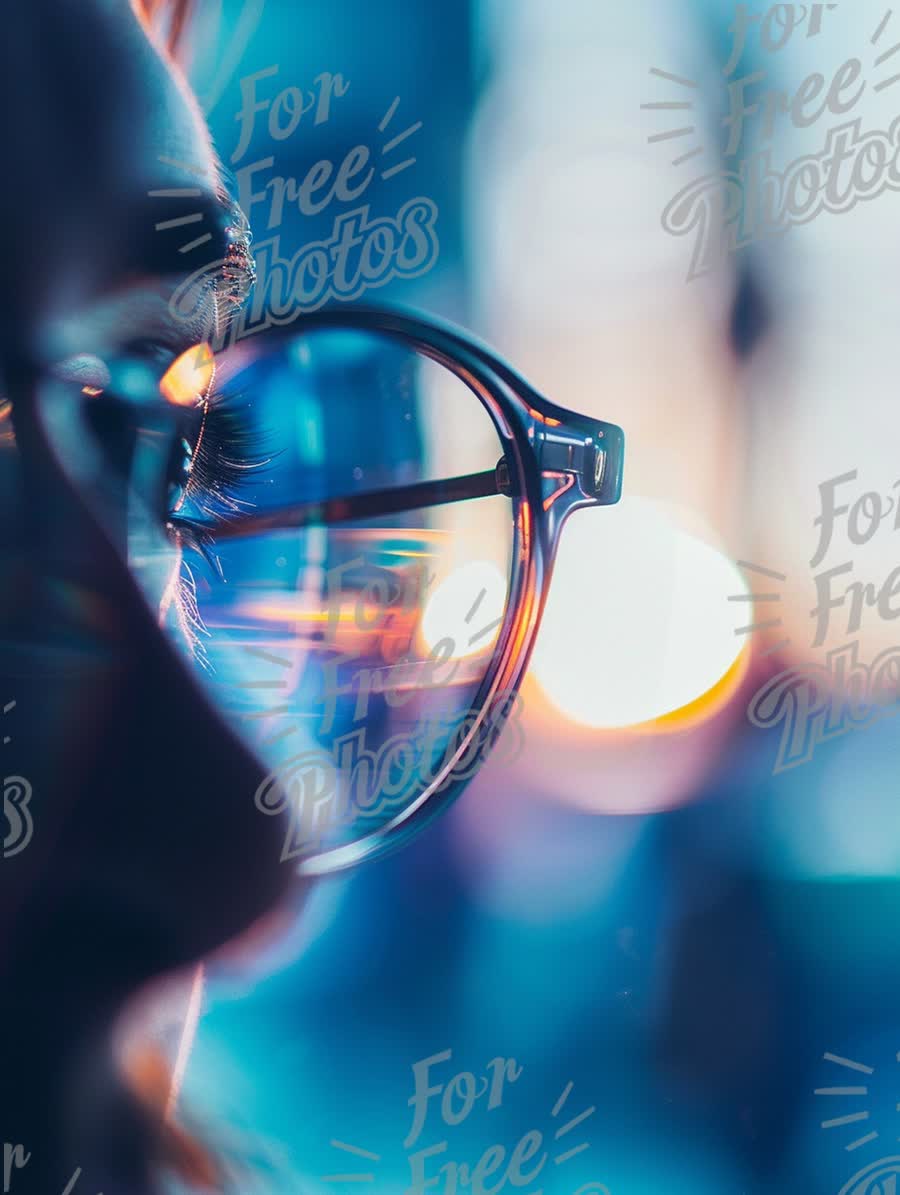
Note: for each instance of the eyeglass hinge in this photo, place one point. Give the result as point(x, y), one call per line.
point(596, 465)
point(568, 455)
point(502, 474)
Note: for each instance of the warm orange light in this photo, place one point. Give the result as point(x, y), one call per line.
point(568, 480)
point(7, 436)
point(545, 419)
point(188, 380)
point(705, 706)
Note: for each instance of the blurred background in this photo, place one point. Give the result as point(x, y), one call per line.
point(642, 911)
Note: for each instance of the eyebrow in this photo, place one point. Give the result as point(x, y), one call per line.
point(197, 231)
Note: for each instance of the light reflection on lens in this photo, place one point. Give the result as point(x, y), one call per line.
point(466, 607)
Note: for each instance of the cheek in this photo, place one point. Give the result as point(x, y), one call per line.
point(159, 574)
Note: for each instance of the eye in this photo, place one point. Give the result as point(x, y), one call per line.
point(217, 457)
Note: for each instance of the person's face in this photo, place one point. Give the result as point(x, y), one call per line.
point(114, 146)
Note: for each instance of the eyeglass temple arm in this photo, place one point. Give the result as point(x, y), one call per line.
point(374, 504)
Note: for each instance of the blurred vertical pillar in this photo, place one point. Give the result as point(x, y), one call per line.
point(577, 278)
point(581, 285)
point(824, 381)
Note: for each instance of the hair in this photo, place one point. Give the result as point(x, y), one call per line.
point(173, 14)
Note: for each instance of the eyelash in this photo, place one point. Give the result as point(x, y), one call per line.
point(225, 454)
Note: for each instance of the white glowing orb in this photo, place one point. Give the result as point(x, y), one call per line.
point(466, 607)
point(638, 623)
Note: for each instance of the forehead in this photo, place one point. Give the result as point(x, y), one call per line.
point(167, 201)
point(178, 194)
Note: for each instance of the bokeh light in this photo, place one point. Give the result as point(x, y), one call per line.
point(478, 586)
point(638, 623)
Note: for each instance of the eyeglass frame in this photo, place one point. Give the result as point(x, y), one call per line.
point(547, 443)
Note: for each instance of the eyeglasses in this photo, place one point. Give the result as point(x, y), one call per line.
point(348, 524)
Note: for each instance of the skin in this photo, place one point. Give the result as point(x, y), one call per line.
point(148, 853)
